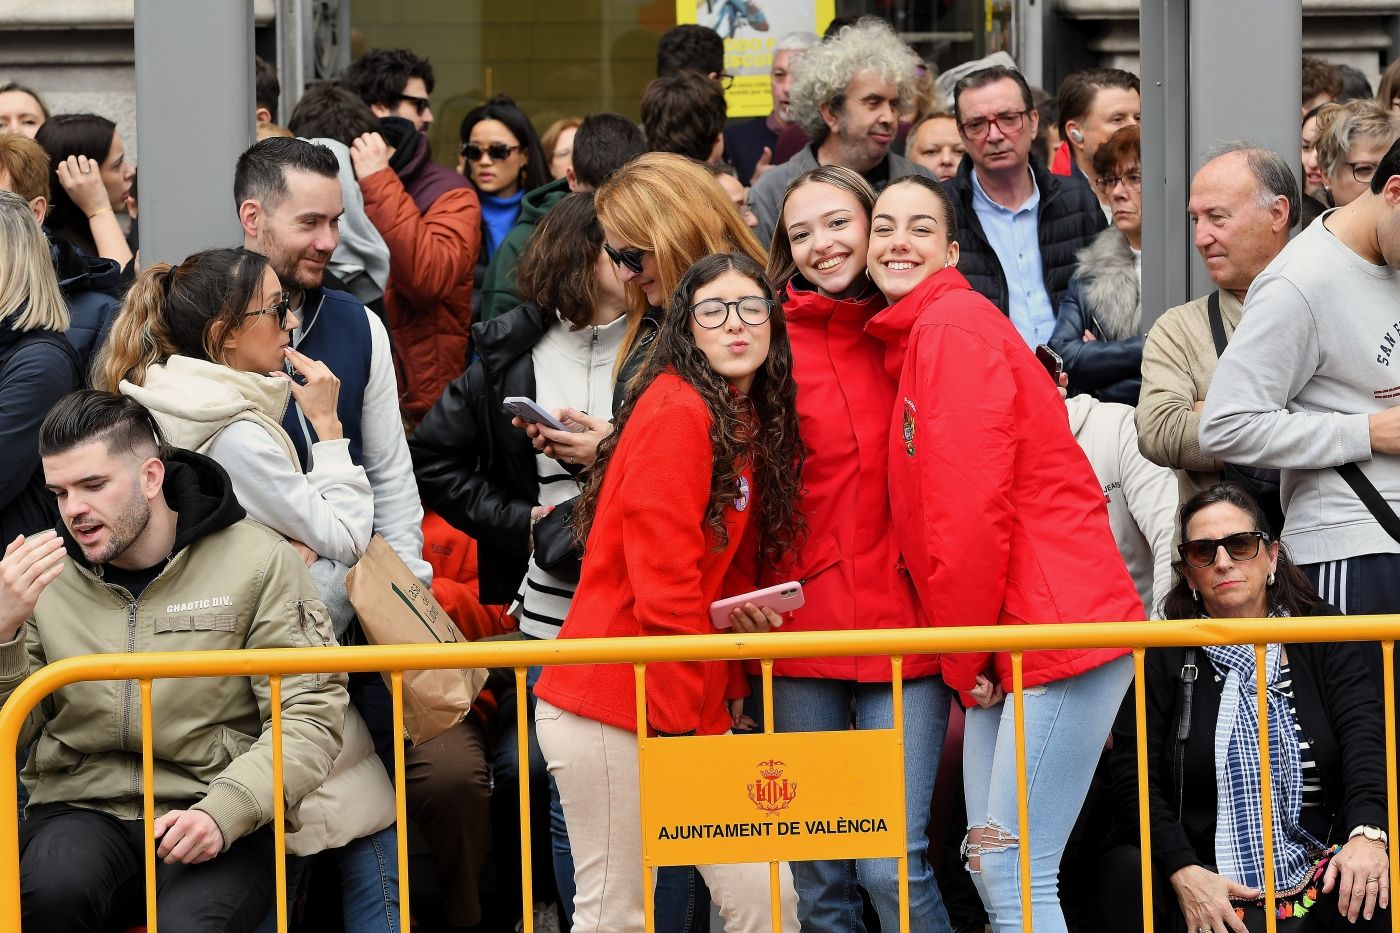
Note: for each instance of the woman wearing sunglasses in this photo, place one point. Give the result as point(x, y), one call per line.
point(1001, 522)
point(204, 345)
point(849, 561)
point(697, 487)
point(1327, 751)
point(502, 158)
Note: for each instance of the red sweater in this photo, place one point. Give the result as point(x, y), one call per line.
point(849, 562)
point(651, 568)
point(996, 508)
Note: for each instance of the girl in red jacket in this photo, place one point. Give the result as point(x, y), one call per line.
point(697, 485)
point(1001, 522)
point(849, 562)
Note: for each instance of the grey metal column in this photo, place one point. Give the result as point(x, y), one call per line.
point(1212, 73)
point(194, 102)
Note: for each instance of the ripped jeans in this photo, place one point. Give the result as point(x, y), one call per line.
point(1067, 722)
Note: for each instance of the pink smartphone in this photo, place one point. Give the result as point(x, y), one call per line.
point(785, 597)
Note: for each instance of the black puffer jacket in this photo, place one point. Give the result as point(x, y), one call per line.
point(474, 467)
point(1070, 218)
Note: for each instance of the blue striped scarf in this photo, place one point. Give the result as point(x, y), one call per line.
point(1239, 833)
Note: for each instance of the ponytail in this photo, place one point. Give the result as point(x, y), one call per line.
point(139, 337)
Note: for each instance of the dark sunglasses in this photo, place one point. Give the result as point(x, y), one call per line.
point(628, 258)
point(283, 308)
point(712, 312)
point(498, 152)
point(420, 104)
point(1242, 545)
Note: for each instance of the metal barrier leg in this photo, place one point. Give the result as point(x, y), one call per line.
point(1393, 829)
point(148, 794)
point(648, 894)
point(775, 890)
point(897, 705)
point(279, 804)
point(522, 770)
point(400, 797)
point(1023, 819)
point(1266, 787)
point(1144, 819)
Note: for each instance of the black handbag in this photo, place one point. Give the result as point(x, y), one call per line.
point(557, 550)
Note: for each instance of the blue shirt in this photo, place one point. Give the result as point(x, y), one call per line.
point(1015, 237)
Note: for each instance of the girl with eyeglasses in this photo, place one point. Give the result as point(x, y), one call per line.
point(205, 346)
point(502, 158)
point(1000, 521)
point(849, 561)
point(696, 489)
point(1326, 741)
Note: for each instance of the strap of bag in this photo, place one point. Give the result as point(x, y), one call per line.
point(1189, 673)
point(1217, 323)
point(1371, 497)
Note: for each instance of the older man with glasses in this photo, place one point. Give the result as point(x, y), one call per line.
point(1018, 225)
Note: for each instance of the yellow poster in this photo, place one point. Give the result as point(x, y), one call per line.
point(750, 29)
point(759, 798)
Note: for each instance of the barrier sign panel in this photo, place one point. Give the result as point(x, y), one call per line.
point(757, 798)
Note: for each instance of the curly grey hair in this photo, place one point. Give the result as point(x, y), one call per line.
point(827, 69)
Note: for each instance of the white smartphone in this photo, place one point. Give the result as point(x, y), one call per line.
point(527, 409)
point(785, 597)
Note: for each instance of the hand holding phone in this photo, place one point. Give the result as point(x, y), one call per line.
point(785, 597)
point(527, 409)
point(1051, 361)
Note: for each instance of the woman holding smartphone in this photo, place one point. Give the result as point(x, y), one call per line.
point(849, 561)
point(696, 488)
point(1001, 522)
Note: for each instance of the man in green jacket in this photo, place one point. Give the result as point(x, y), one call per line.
point(154, 554)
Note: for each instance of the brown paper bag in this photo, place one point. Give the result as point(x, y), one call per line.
point(396, 608)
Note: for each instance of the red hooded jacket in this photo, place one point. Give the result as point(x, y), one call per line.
point(651, 568)
point(996, 508)
point(849, 563)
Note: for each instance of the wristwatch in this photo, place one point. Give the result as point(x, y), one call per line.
point(1373, 833)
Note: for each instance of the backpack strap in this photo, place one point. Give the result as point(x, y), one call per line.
point(1217, 323)
point(1371, 497)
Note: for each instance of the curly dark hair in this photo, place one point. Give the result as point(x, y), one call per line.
point(759, 428)
point(1291, 593)
point(557, 270)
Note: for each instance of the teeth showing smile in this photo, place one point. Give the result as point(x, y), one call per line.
point(831, 263)
point(899, 266)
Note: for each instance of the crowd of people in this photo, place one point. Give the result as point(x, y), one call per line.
point(883, 343)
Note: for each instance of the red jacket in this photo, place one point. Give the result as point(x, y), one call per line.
point(849, 563)
point(651, 568)
point(995, 506)
point(429, 297)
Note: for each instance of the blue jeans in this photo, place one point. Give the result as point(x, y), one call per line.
point(1067, 723)
point(827, 898)
point(368, 868)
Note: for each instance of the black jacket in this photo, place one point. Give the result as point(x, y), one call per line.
point(92, 287)
point(474, 467)
point(1339, 709)
point(37, 368)
point(1070, 218)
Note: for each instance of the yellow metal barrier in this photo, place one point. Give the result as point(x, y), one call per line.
point(895, 644)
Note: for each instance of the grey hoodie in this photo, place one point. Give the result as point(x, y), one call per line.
point(1315, 354)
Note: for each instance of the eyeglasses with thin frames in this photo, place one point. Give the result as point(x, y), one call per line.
point(1009, 122)
point(1363, 172)
point(711, 313)
point(283, 310)
point(629, 258)
point(420, 104)
point(1132, 179)
point(498, 152)
point(1242, 545)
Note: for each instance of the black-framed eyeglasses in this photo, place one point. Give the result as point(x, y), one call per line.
point(1242, 545)
point(283, 310)
point(498, 152)
point(712, 312)
point(1107, 183)
point(1363, 172)
point(630, 258)
point(1009, 122)
point(725, 81)
point(420, 104)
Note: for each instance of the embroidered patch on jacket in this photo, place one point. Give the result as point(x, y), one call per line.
point(742, 502)
point(909, 412)
point(200, 622)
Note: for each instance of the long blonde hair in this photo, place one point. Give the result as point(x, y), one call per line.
point(29, 295)
point(669, 205)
